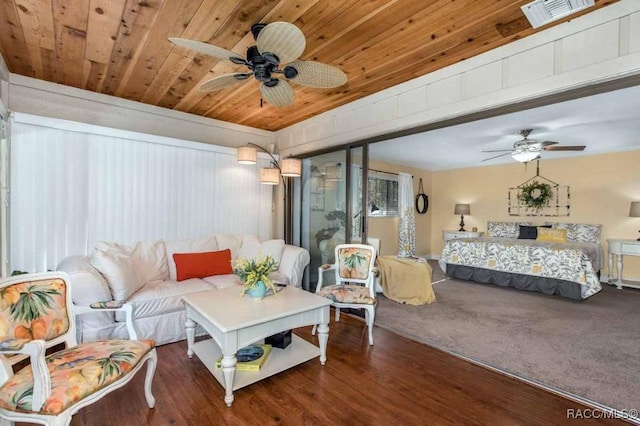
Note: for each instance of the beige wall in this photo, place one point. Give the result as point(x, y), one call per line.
point(602, 187)
point(387, 228)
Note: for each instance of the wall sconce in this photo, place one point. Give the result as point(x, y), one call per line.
point(634, 210)
point(289, 167)
point(462, 209)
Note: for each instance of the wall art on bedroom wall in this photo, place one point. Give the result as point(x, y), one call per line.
point(539, 196)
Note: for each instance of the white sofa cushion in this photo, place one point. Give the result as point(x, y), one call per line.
point(161, 297)
point(254, 249)
point(119, 271)
point(223, 281)
point(199, 245)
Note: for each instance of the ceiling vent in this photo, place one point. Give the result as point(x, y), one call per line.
point(541, 12)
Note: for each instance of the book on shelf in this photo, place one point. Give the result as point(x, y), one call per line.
point(250, 358)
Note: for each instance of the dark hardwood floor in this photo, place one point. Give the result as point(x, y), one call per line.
point(397, 381)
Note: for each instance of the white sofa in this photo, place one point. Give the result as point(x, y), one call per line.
point(145, 275)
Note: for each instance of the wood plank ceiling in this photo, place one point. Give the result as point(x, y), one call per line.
point(120, 47)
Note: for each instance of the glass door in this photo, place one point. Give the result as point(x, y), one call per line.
point(319, 210)
point(326, 206)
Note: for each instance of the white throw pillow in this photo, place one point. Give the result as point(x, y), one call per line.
point(254, 249)
point(231, 242)
point(119, 272)
point(199, 245)
point(149, 258)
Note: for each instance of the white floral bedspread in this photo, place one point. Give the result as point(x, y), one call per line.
point(563, 261)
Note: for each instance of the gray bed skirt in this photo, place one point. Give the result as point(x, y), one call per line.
point(548, 286)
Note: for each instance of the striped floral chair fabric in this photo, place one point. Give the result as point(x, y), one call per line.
point(36, 313)
point(354, 281)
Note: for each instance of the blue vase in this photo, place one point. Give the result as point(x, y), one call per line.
point(258, 290)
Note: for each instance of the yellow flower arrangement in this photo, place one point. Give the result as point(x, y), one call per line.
point(252, 271)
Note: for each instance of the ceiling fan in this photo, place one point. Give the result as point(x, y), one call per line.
point(277, 47)
point(527, 149)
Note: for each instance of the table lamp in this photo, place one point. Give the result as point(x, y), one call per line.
point(634, 210)
point(462, 209)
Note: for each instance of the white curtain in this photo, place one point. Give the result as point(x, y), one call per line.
point(406, 217)
point(77, 184)
point(356, 202)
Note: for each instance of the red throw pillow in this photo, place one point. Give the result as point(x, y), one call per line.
point(200, 265)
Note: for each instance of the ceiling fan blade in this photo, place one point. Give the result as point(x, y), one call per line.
point(565, 148)
point(282, 39)
point(498, 150)
point(548, 143)
point(315, 74)
point(206, 49)
point(220, 82)
point(497, 156)
point(281, 94)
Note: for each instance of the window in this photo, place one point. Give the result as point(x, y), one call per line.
point(383, 194)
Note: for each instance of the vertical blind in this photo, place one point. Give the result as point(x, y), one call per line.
point(71, 188)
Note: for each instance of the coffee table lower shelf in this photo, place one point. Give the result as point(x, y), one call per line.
point(297, 352)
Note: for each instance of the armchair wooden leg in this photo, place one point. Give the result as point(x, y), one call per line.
point(151, 370)
point(369, 317)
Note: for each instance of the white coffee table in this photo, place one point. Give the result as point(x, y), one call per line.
point(234, 322)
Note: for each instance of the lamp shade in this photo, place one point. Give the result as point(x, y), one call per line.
point(634, 210)
point(524, 156)
point(291, 167)
point(270, 176)
point(462, 209)
point(247, 155)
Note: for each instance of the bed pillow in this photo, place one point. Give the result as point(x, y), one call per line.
point(530, 232)
point(200, 265)
point(552, 235)
point(504, 229)
point(581, 232)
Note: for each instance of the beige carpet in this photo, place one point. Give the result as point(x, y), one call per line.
point(589, 348)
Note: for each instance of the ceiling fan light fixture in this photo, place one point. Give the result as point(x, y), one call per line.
point(271, 58)
point(524, 156)
point(247, 155)
point(290, 72)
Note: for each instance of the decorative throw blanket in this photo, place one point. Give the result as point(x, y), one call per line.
point(406, 280)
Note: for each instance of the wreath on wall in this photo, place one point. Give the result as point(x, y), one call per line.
point(536, 195)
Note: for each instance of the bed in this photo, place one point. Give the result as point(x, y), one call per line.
point(510, 257)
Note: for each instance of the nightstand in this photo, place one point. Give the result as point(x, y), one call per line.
point(621, 248)
point(451, 235)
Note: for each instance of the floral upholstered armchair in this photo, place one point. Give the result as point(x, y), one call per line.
point(355, 280)
point(36, 313)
